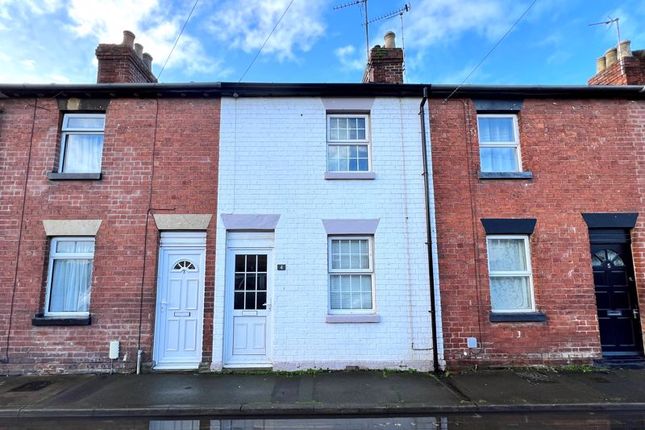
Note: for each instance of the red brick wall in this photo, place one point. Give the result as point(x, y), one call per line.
point(586, 156)
point(628, 71)
point(385, 67)
point(186, 133)
point(120, 64)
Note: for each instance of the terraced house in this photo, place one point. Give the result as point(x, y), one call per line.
point(297, 226)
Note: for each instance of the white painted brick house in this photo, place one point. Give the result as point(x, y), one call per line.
point(321, 239)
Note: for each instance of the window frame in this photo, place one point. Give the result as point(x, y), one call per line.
point(336, 272)
point(528, 273)
point(54, 255)
point(343, 142)
point(501, 144)
point(69, 131)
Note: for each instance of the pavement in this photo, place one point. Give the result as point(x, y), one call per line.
point(321, 393)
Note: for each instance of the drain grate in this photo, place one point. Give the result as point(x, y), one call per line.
point(31, 386)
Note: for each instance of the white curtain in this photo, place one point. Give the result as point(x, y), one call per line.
point(83, 153)
point(496, 129)
point(70, 289)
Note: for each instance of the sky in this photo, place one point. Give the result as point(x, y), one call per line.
point(53, 41)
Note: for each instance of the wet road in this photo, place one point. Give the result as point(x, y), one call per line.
point(569, 421)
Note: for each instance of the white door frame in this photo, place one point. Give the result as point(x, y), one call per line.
point(191, 242)
point(247, 243)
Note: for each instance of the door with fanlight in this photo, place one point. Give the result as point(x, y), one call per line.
point(248, 307)
point(617, 303)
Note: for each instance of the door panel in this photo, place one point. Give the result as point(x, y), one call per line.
point(180, 292)
point(616, 300)
point(247, 307)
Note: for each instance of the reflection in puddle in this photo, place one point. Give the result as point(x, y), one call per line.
point(559, 421)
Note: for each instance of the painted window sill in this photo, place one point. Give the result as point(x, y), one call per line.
point(42, 321)
point(350, 175)
point(55, 176)
point(350, 319)
point(518, 317)
point(505, 175)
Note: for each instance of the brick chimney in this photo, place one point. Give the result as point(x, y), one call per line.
point(620, 66)
point(385, 65)
point(124, 63)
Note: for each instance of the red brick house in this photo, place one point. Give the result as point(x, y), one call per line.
point(540, 201)
point(97, 181)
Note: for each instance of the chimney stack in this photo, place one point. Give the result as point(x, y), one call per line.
point(385, 64)
point(620, 66)
point(124, 63)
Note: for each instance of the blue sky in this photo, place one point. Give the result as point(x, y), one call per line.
point(44, 41)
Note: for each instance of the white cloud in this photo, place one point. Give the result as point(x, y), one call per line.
point(247, 26)
point(440, 21)
point(349, 59)
point(156, 26)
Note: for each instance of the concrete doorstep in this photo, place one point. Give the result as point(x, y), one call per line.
point(321, 393)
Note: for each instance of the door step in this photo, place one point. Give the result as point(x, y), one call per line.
point(622, 363)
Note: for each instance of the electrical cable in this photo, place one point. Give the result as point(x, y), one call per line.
point(491, 50)
point(177, 39)
point(265, 41)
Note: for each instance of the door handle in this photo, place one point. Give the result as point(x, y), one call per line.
point(635, 313)
point(267, 306)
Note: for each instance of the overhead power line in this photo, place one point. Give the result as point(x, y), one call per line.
point(183, 27)
point(491, 50)
point(265, 41)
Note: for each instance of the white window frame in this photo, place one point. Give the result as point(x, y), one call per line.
point(68, 131)
point(515, 144)
point(369, 271)
point(342, 142)
point(53, 255)
point(517, 273)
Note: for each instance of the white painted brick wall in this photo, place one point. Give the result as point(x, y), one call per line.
point(273, 161)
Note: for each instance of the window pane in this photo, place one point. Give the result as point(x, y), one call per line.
point(506, 255)
point(262, 263)
point(262, 300)
point(262, 282)
point(350, 254)
point(239, 263)
point(251, 263)
point(85, 246)
point(498, 159)
point(350, 292)
point(510, 293)
point(83, 153)
point(239, 282)
point(249, 302)
point(81, 123)
point(65, 246)
point(493, 129)
point(239, 300)
point(70, 286)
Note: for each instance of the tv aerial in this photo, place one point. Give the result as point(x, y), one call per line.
point(610, 22)
point(367, 21)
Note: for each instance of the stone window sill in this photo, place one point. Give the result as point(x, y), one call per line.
point(350, 175)
point(517, 317)
point(42, 321)
point(349, 319)
point(55, 176)
point(505, 175)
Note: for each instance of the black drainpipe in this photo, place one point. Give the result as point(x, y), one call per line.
point(426, 198)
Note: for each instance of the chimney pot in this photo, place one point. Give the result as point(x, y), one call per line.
point(624, 49)
point(611, 56)
point(128, 38)
point(138, 49)
point(147, 59)
point(390, 40)
point(600, 65)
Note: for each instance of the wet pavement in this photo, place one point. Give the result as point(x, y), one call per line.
point(556, 421)
point(322, 394)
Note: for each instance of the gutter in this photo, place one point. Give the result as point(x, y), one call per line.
point(426, 187)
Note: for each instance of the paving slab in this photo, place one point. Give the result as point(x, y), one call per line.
point(320, 393)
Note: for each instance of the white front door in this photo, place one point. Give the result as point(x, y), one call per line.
point(180, 305)
point(247, 307)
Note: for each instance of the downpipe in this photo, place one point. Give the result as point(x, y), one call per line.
point(426, 198)
point(139, 358)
